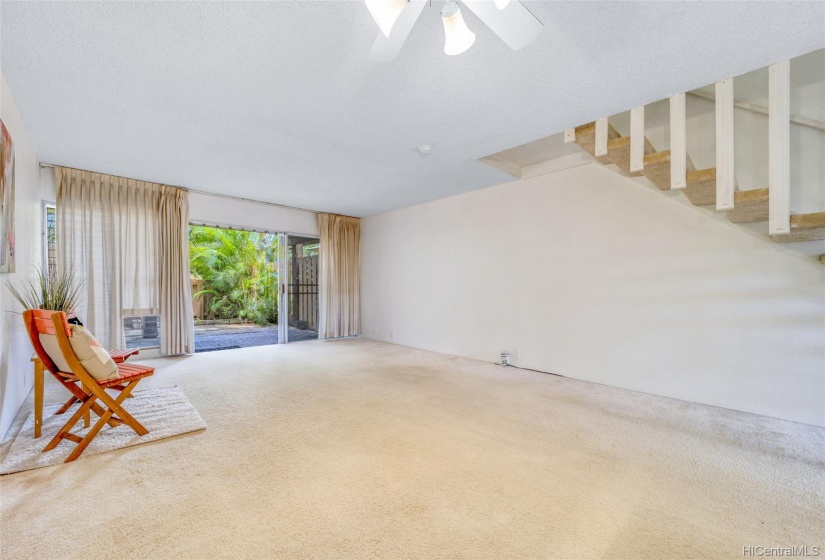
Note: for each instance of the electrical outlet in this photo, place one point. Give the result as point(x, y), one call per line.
point(517, 355)
point(505, 358)
point(390, 335)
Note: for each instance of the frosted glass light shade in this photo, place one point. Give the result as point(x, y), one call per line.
point(458, 37)
point(385, 13)
point(501, 4)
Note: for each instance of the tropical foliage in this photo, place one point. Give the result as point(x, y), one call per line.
point(239, 270)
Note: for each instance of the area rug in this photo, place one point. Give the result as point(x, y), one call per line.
point(164, 412)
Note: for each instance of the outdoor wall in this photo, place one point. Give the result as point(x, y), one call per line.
point(16, 377)
point(593, 276)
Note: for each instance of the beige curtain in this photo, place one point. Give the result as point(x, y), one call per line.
point(339, 276)
point(177, 335)
point(127, 240)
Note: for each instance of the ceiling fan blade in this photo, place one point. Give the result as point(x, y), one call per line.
point(387, 48)
point(515, 25)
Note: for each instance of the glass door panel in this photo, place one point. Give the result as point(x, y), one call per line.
point(302, 288)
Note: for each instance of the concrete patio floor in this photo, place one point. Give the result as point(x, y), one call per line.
point(226, 337)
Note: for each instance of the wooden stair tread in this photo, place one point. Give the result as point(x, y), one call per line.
point(702, 175)
point(657, 169)
point(749, 206)
point(657, 158)
point(585, 130)
point(701, 187)
point(621, 143)
point(586, 138)
point(618, 150)
point(751, 196)
point(804, 227)
point(808, 221)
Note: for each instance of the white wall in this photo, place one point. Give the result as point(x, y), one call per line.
point(16, 377)
point(593, 276)
point(216, 210)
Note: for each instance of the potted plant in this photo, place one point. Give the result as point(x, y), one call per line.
point(58, 291)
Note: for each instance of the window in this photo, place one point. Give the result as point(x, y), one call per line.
point(142, 331)
point(49, 238)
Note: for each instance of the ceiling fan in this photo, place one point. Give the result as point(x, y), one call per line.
point(508, 19)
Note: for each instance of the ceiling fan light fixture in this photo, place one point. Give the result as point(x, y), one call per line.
point(501, 4)
point(385, 13)
point(458, 37)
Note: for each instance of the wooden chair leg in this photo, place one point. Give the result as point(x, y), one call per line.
point(79, 396)
point(87, 418)
point(67, 406)
point(82, 444)
point(74, 399)
point(67, 427)
point(114, 405)
point(118, 388)
point(38, 397)
point(100, 411)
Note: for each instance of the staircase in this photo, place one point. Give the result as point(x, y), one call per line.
point(749, 206)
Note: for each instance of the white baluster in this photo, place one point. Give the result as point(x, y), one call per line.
point(637, 139)
point(725, 169)
point(601, 137)
point(678, 143)
point(779, 148)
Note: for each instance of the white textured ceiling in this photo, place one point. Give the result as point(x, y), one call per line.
point(276, 101)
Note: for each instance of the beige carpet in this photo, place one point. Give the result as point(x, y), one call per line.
point(357, 449)
point(164, 412)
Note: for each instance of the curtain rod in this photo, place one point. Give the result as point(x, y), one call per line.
point(197, 191)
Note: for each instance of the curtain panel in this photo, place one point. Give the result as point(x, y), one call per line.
point(128, 241)
point(339, 276)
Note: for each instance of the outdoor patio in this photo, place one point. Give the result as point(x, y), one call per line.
point(209, 338)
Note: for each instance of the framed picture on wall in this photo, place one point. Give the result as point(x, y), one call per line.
point(6, 201)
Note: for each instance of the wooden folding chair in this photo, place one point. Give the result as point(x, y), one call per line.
point(118, 356)
point(42, 319)
point(114, 414)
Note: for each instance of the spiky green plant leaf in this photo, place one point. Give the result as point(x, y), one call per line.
point(58, 291)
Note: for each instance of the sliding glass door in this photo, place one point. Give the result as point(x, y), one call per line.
point(298, 274)
point(250, 288)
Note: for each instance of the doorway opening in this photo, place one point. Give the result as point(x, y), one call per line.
point(249, 288)
point(235, 286)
